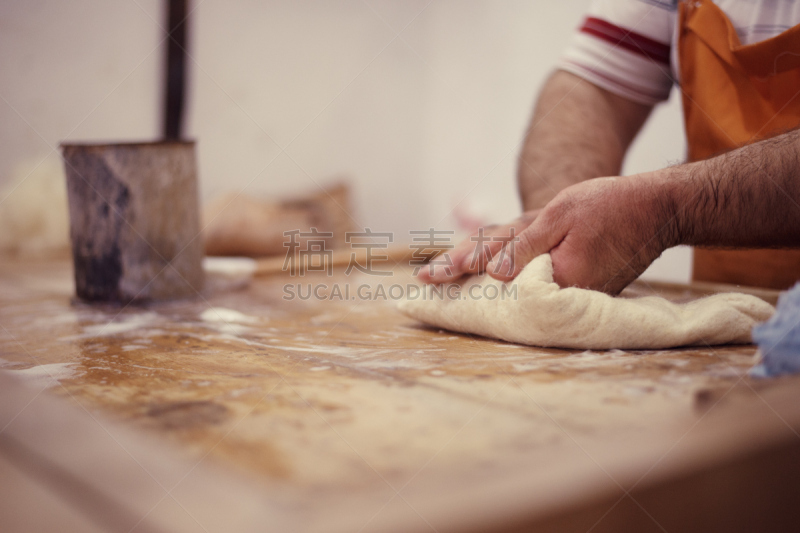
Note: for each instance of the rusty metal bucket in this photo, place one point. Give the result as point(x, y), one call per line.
point(134, 221)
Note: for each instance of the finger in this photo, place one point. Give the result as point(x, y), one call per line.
point(576, 266)
point(466, 257)
point(570, 268)
point(497, 238)
point(478, 257)
point(469, 254)
point(439, 269)
point(473, 254)
point(480, 249)
point(540, 237)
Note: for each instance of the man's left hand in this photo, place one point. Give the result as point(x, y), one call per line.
point(601, 234)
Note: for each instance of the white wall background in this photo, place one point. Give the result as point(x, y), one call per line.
point(421, 104)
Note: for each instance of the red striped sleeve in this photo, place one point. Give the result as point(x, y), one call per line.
point(619, 82)
point(627, 39)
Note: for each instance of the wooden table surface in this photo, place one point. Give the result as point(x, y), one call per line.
point(330, 415)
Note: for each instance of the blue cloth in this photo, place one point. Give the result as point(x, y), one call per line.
point(778, 338)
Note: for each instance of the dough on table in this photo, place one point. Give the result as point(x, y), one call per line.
point(543, 314)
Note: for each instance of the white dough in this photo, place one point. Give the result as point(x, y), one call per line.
point(543, 314)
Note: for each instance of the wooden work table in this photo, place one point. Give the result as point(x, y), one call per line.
point(243, 411)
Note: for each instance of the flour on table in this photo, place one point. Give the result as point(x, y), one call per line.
point(543, 314)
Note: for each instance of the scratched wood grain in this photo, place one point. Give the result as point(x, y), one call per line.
point(337, 399)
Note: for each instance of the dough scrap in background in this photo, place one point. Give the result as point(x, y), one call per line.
point(543, 314)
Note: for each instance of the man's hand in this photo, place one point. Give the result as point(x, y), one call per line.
point(473, 254)
point(578, 131)
point(601, 234)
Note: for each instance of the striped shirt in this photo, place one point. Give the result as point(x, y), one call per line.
point(629, 47)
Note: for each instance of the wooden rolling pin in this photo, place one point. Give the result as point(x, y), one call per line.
point(393, 254)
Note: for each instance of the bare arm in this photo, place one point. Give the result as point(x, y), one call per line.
point(748, 197)
point(603, 233)
point(578, 132)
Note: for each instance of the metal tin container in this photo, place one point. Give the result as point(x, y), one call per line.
point(134, 221)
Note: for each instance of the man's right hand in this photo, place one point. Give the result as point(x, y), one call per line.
point(578, 131)
point(475, 252)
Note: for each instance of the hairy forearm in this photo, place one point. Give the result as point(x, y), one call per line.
point(578, 131)
point(749, 197)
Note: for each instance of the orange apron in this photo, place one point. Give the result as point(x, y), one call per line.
point(734, 95)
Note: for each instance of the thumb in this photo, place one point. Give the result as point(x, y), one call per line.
point(540, 237)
